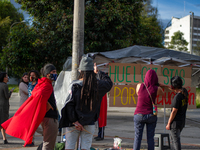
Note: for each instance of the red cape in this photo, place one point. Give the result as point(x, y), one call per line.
point(103, 112)
point(29, 116)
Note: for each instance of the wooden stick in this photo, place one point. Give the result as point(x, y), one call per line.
point(68, 131)
point(84, 129)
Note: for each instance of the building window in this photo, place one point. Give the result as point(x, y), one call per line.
point(196, 36)
point(196, 23)
point(166, 31)
point(195, 42)
point(195, 31)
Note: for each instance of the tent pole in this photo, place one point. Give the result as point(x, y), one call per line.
point(164, 118)
point(195, 72)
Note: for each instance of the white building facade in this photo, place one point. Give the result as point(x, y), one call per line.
point(184, 25)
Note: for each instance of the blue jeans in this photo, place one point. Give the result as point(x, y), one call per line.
point(139, 121)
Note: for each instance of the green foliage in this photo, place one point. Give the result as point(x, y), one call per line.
point(178, 42)
point(150, 30)
point(10, 86)
point(198, 97)
point(4, 22)
point(8, 15)
point(109, 25)
point(22, 58)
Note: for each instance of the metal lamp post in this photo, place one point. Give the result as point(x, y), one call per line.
point(9, 38)
point(14, 24)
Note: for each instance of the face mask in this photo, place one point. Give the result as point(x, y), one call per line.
point(53, 77)
point(32, 79)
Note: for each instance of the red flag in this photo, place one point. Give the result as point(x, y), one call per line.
point(29, 116)
point(103, 112)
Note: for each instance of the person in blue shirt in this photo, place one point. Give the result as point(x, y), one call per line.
point(34, 75)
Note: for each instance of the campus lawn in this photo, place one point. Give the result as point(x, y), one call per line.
point(198, 97)
point(10, 86)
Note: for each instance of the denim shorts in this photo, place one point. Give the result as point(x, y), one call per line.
point(85, 137)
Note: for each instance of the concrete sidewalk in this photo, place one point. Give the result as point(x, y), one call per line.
point(119, 123)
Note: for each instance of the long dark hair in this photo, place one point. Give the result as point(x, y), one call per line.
point(89, 91)
point(177, 83)
point(2, 76)
point(24, 74)
point(185, 93)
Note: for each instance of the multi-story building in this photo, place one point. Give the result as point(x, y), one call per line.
point(184, 25)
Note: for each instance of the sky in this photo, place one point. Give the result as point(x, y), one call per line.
point(175, 8)
point(26, 15)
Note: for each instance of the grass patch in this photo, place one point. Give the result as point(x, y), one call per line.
point(198, 97)
point(10, 86)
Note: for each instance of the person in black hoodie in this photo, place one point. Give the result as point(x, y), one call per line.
point(82, 106)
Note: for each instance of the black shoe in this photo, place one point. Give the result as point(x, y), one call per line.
point(30, 145)
point(99, 139)
point(96, 137)
point(5, 141)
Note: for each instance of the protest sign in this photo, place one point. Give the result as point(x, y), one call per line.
point(131, 74)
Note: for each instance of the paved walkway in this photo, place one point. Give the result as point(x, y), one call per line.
point(120, 124)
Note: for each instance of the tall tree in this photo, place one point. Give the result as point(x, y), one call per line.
point(8, 15)
point(21, 54)
point(178, 42)
point(150, 29)
point(109, 25)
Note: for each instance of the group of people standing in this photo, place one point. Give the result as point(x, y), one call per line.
point(82, 107)
point(79, 113)
point(147, 93)
point(27, 84)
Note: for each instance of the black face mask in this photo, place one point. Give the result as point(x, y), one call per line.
point(32, 79)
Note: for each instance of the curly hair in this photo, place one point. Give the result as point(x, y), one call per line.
point(37, 74)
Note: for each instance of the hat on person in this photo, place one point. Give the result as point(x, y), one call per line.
point(86, 64)
point(48, 68)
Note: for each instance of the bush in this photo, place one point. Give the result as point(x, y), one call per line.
point(198, 97)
